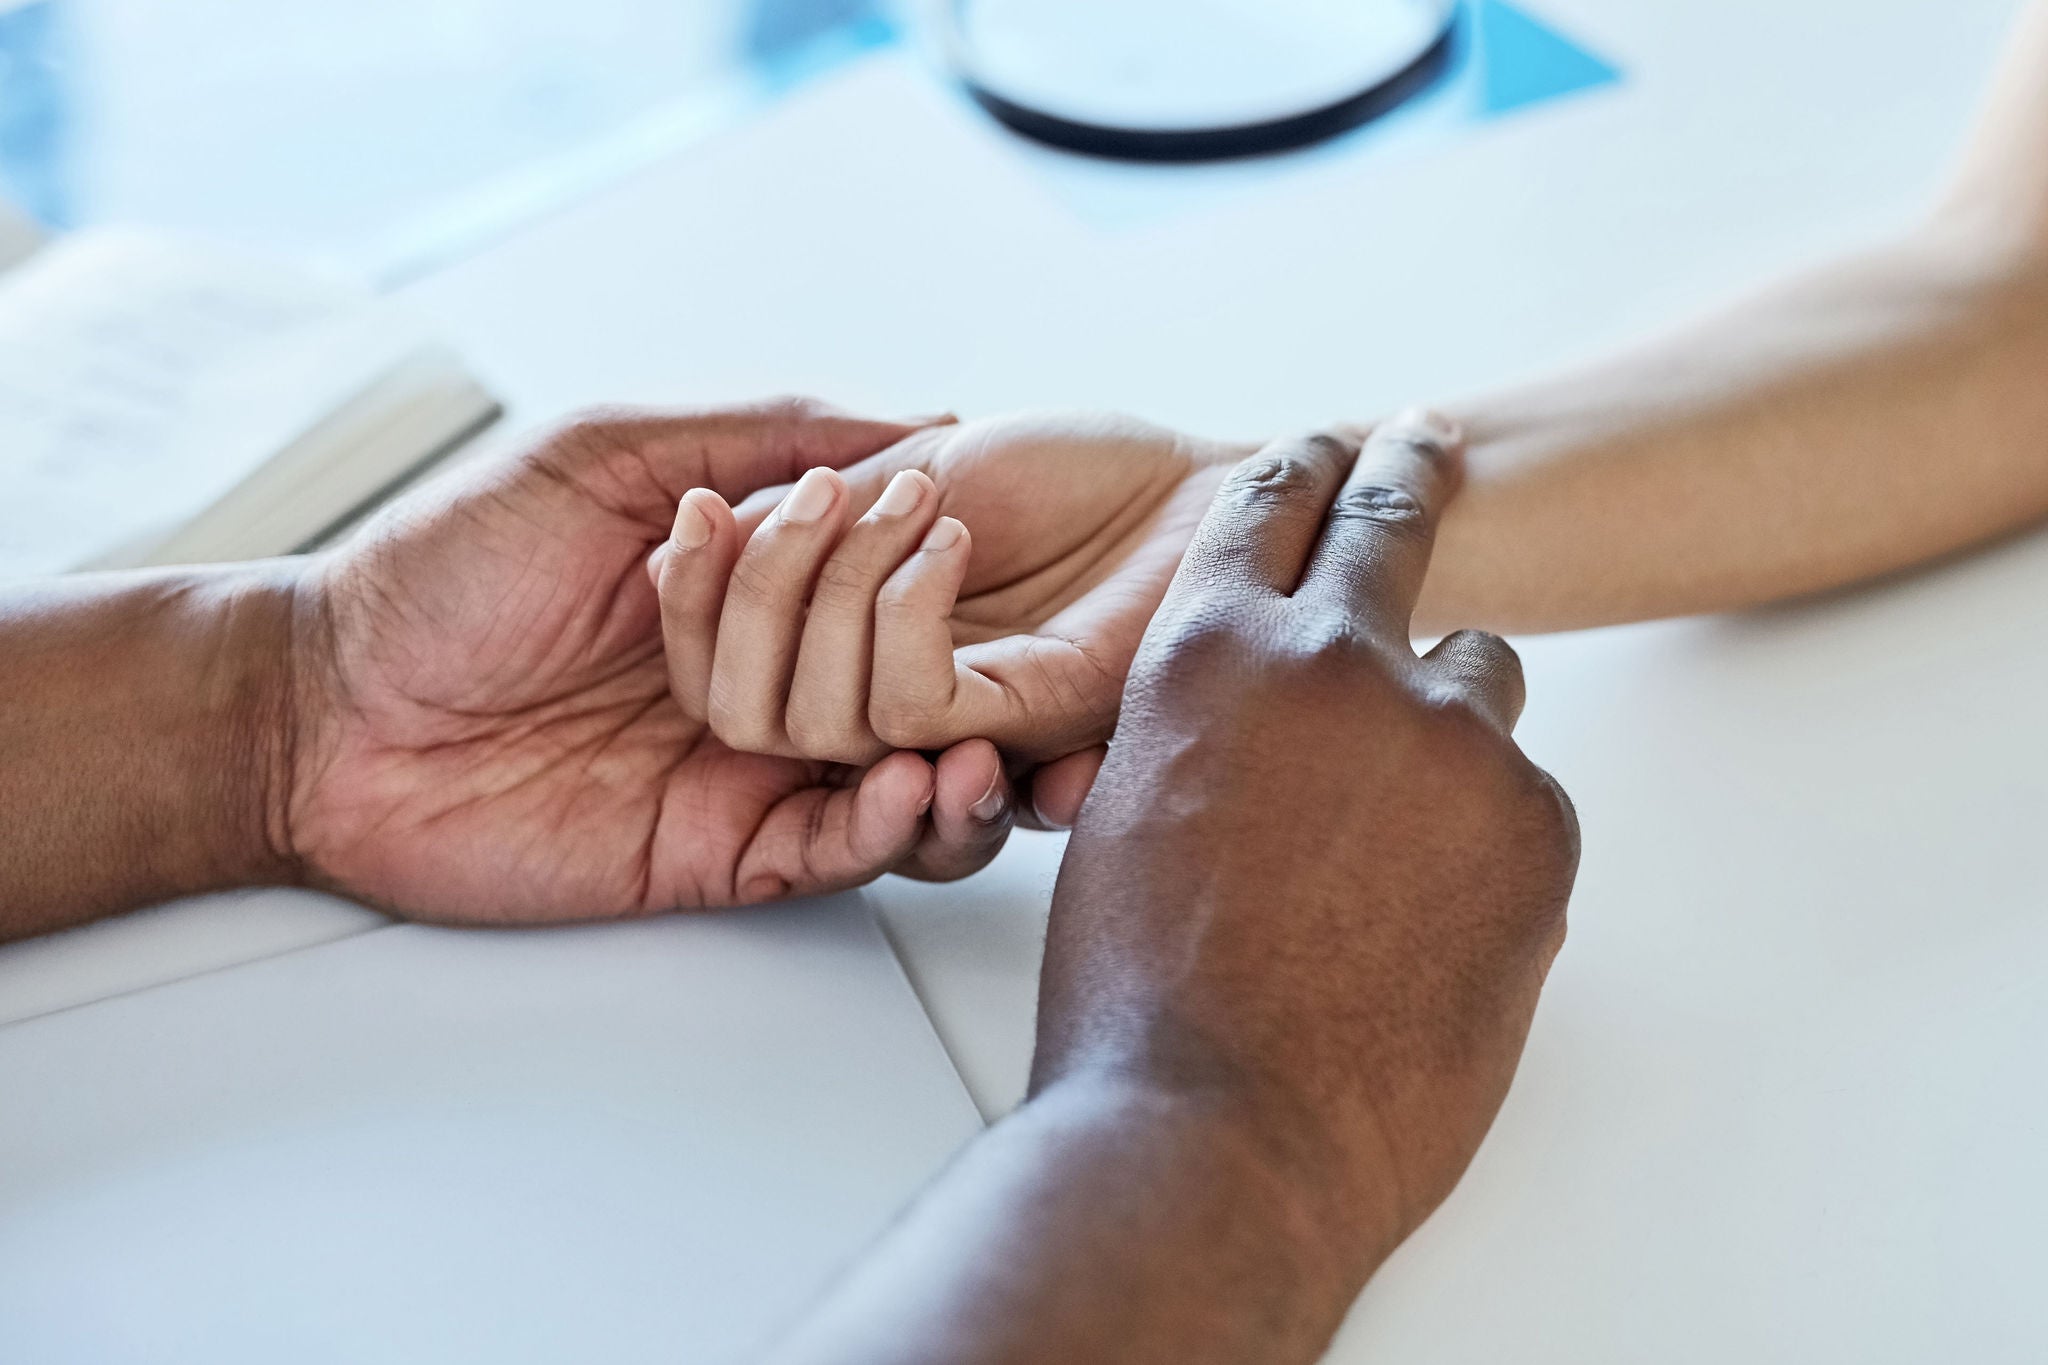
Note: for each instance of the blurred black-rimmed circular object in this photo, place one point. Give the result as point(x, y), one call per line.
point(1195, 80)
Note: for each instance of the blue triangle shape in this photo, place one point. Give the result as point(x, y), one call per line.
point(1523, 60)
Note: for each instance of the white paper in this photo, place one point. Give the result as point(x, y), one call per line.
point(141, 380)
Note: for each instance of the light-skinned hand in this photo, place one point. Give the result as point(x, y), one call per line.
point(990, 580)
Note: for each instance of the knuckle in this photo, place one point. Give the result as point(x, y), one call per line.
point(1271, 476)
point(1208, 633)
point(843, 580)
point(1480, 652)
point(739, 730)
point(1330, 639)
point(900, 723)
point(1380, 504)
point(1327, 654)
point(827, 736)
point(807, 735)
point(1482, 642)
point(1328, 445)
point(753, 584)
point(897, 599)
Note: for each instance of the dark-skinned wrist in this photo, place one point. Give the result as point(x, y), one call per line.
point(148, 742)
point(224, 638)
point(1327, 1210)
point(262, 699)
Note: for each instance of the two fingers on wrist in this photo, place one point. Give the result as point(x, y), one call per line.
point(1345, 529)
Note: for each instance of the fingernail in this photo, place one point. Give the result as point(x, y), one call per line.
point(810, 499)
point(901, 497)
point(926, 803)
point(1433, 425)
point(935, 419)
point(944, 535)
point(692, 527)
point(1047, 820)
point(989, 808)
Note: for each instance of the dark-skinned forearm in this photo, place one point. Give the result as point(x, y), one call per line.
point(1111, 1220)
point(144, 739)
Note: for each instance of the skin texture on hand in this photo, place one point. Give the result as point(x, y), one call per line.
point(1295, 949)
point(1348, 909)
point(485, 728)
point(1035, 547)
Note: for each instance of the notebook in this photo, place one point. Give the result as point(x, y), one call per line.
point(163, 402)
point(649, 1141)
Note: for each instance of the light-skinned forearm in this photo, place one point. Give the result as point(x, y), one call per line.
point(1856, 420)
point(1863, 419)
point(143, 739)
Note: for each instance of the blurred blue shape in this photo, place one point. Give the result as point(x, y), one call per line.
point(777, 31)
point(789, 41)
point(1523, 60)
point(34, 113)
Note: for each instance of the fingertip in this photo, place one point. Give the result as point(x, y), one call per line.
point(921, 582)
point(948, 536)
point(888, 811)
point(971, 784)
point(692, 527)
point(700, 546)
point(814, 496)
point(1428, 425)
point(700, 515)
point(901, 787)
point(1060, 788)
point(972, 816)
point(1426, 443)
point(905, 493)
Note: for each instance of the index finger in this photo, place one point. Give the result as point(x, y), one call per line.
point(1376, 543)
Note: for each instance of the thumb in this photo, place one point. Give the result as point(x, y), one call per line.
point(641, 462)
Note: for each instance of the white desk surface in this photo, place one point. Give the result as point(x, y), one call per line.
point(646, 1142)
point(1781, 1101)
